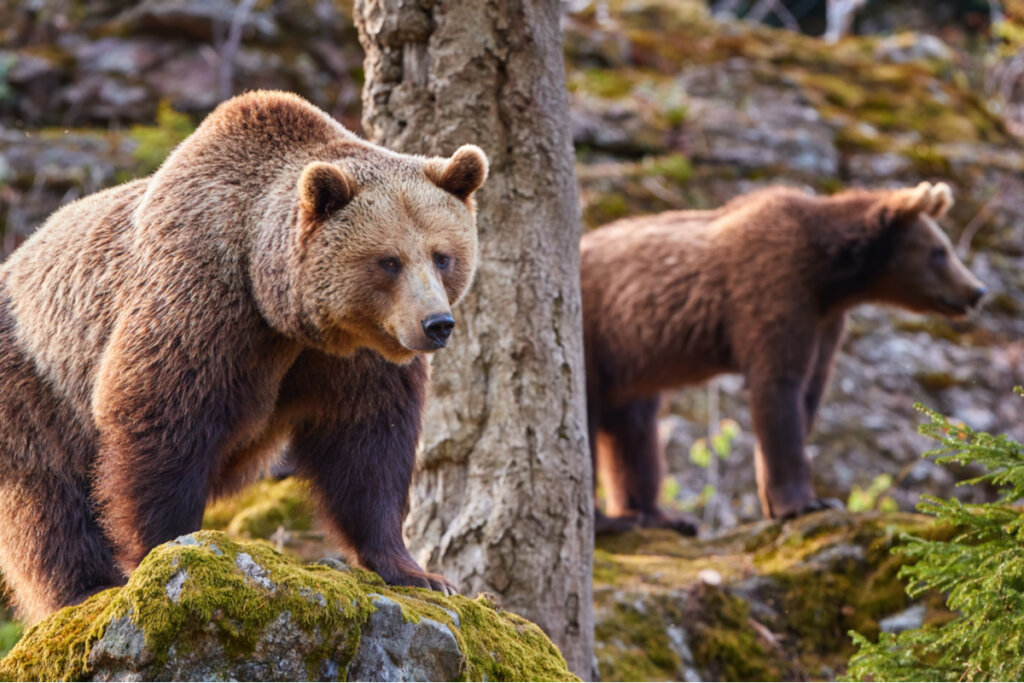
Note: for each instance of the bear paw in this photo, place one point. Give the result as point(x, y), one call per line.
point(408, 576)
point(813, 505)
point(678, 522)
point(603, 524)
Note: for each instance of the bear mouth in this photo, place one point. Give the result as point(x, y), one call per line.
point(944, 305)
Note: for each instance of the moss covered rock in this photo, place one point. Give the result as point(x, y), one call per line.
point(765, 601)
point(205, 607)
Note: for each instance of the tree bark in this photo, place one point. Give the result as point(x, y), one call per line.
point(503, 497)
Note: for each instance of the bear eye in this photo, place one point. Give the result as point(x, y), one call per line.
point(938, 254)
point(391, 264)
point(442, 261)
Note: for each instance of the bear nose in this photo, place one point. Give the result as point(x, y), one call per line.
point(438, 327)
point(977, 294)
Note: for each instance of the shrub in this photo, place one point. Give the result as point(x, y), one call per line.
point(980, 568)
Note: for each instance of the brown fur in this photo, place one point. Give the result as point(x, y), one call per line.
point(759, 287)
point(161, 339)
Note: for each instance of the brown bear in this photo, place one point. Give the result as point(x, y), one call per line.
point(276, 280)
point(759, 287)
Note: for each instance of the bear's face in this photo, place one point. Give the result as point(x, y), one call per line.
point(387, 255)
point(924, 273)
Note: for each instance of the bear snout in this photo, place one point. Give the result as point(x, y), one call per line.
point(438, 327)
point(977, 294)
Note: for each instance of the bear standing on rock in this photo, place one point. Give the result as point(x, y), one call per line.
point(760, 287)
point(277, 279)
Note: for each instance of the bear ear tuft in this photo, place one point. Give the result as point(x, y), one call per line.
point(931, 200)
point(463, 174)
point(324, 188)
point(941, 197)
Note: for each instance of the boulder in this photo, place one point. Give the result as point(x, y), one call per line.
point(206, 607)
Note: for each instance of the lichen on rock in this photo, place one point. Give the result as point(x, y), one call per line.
point(206, 607)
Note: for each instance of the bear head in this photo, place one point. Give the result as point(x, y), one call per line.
point(923, 272)
point(385, 249)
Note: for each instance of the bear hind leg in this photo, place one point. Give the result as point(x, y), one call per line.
point(52, 551)
point(631, 466)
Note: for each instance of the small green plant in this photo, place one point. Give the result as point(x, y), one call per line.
point(720, 444)
point(980, 569)
point(670, 490)
point(872, 498)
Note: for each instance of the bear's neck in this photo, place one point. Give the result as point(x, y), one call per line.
point(852, 257)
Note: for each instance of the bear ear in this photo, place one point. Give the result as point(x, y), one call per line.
point(463, 174)
point(931, 200)
point(324, 188)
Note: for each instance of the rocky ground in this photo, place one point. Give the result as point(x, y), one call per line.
point(763, 601)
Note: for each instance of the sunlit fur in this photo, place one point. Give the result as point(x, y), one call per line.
point(758, 287)
point(161, 339)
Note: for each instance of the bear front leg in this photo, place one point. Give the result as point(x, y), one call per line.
point(164, 404)
point(152, 477)
point(783, 471)
point(358, 450)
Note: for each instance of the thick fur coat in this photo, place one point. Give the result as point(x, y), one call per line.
point(759, 287)
point(276, 280)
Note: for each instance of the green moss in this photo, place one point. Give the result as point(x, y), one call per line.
point(674, 167)
point(836, 89)
point(216, 595)
point(645, 653)
point(845, 82)
point(853, 591)
point(935, 380)
point(940, 329)
point(727, 644)
point(813, 579)
point(854, 138)
point(928, 161)
point(605, 208)
point(1004, 303)
point(608, 83)
point(56, 649)
point(154, 143)
point(259, 510)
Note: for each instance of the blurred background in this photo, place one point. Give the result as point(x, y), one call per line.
point(675, 103)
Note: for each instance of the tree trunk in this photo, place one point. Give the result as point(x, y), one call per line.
point(502, 500)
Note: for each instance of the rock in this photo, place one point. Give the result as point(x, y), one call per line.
point(782, 598)
point(205, 607)
point(913, 47)
point(910, 618)
point(197, 19)
point(393, 649)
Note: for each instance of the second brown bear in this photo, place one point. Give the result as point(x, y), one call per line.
point(759, 287)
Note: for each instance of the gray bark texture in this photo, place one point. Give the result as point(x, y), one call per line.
point(503, 497)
